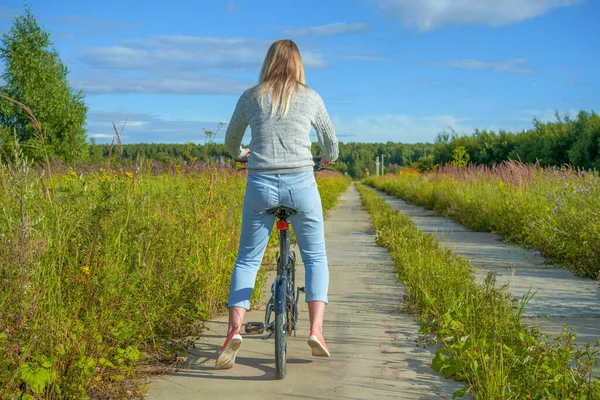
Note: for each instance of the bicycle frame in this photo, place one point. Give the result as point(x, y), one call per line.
point(284, 294)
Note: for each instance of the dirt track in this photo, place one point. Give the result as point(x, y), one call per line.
point(374, 352)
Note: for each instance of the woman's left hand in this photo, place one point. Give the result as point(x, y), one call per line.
point(243, 156)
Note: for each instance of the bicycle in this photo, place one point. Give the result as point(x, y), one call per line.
point(284, 293)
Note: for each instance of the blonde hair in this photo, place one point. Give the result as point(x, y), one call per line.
point(281, 74)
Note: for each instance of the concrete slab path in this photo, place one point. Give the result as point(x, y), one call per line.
point(374, 352)
point(561, 296)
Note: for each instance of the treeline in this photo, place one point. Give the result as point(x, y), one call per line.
point(355, 158)
point(565, 141)
point(575, 142)
point(358, 159)
point(163, 152)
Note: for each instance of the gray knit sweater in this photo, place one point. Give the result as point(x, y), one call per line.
point(280, 144)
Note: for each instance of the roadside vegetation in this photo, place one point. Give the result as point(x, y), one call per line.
point(483, 341)
point(103, 267)
point(554, 210)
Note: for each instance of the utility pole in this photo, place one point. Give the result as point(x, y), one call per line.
point(377, 166)
point(382, 165)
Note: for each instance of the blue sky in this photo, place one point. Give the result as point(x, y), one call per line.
point(388, 70)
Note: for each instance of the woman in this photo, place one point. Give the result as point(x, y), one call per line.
point(280, 110)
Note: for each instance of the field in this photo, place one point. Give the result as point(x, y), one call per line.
point(107, 269)
point(483, 340)
point(103, 268)
point(553, 210)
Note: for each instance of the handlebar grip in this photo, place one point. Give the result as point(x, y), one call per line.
point(318, 159)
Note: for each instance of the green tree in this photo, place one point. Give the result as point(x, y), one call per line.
point(35, 76)
point(585, 152)
point(96, 153)
point(426, 163)
point(461, 157)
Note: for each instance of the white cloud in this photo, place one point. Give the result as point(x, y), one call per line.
point(338, 28)
point(400, 127)
point(136, 123)
point(179, 64)
point(414, 129)
point(547, 115)
point(427, 15)
point(180, 82)
point(189, 52)
point(105, 136)
point(118, 57)
point(148, 128)
point(512, 66)
point(313, 60)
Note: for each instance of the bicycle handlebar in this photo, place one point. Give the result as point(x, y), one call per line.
point(318, 167)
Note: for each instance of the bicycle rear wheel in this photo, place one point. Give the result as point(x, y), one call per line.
point(280, 344)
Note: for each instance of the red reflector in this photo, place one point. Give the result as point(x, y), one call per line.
point(282, 225)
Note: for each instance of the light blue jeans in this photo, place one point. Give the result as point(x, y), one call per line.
point(264, 191)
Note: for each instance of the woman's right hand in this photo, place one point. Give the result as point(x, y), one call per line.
point(325, 162)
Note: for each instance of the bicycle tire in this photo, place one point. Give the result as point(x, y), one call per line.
point(290, 322)
point(280, 345)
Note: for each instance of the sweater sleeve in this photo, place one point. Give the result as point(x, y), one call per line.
point(325, 132)
point(237, 126)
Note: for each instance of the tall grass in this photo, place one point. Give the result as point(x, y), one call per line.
point(331, 185)
point(102, 268)
point(554, 210)
point(483, 340)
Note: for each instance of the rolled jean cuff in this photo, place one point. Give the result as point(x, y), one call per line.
point(314, 297)
point(244, 303)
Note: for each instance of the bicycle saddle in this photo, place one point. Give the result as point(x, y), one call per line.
point(282, 209)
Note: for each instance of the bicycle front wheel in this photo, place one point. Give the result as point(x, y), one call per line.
point(280, 344)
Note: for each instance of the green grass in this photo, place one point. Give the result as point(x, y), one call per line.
point(331, 185)
point(483, 340)
point(101, 270)
point(552, 210)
